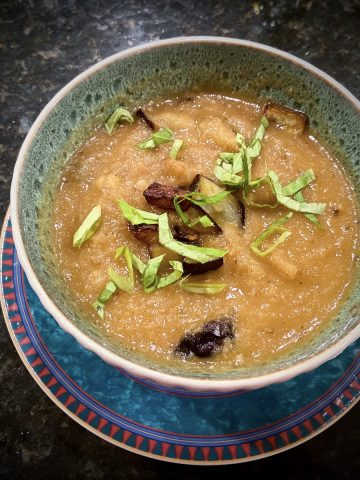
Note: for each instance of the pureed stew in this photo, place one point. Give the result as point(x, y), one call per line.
point(262, 240)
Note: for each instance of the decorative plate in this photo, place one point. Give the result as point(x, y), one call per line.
point(162, 423)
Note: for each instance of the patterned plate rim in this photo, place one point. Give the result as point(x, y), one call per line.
point(217, 451)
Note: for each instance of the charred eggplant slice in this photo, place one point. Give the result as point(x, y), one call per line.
point(282, 116)
point(149, 234)
point(190, 237)
point(208, 340)
point(145, 233)
point(141, 114)
point(198, 268)
point(229, 210)
point(163, 196)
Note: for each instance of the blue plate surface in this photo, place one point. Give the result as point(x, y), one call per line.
point(164, 423)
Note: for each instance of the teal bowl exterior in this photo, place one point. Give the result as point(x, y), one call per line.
point(131, 78)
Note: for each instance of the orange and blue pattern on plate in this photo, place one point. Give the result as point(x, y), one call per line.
point(169, 424)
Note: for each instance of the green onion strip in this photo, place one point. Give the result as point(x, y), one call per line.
point(88, 227)
point(164, 135)
point(273, 229)
point(198, 254)
point(202, 288)
point(119, 115)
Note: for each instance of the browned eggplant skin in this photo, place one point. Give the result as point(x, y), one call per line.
point(162, 196)
point(141, 114)
point(195, 183)
point(145, 233)
point(208, 340)
point(192, 238)
point(198, 268)
point(149, 234)
point(286, 117)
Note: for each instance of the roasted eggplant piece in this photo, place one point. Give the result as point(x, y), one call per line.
point(229, 210)
point(141, 114)
point(208, 340)
point(145, 233)
point(163, 196)
point(282, 116)
point(197, 268)
point(183, 236)
point(149, 234)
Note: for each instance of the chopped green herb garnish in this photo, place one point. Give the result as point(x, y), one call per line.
point(310, 216)
point(299, 183)
point(200, 199)
point(203, 288)
point(163, 135)
point(204, 220)
point(99, 304)
point(136, 216)
point(254, 149)
point(227, 166)
point(173, 276)
point(149, 277)
point(136, 262)
point(290, 203)
point(274, 228)
point(123, 283)
point(175, 148)
point(149, 271)
point(88, 227)
point(119, 115)
point(198, 254)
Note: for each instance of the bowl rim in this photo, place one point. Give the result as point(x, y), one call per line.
point(190, 383)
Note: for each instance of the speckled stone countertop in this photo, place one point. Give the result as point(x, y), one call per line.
point(43, 45)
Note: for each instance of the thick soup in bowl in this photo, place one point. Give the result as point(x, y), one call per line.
point(206, 231)
point(178, 215)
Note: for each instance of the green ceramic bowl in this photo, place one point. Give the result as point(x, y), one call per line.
point(133, 77)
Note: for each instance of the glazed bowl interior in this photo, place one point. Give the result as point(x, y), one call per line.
point(130, 79)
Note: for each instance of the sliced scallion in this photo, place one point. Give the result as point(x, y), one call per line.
point(310, 216)
point(175, 148)
point(254, 149)
point(149, 276)
point(173, 276)
point(204, 220)
point(200, 199)
point(202, 288)
point(88, 227)
point(317, 208)
point(105, 295)
point(299, 183)
point(164, 135)
point(123, 283)
point(119, 115)
point(136, 216)
point(227, 166)
point(274, 228)
point(198, 254)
